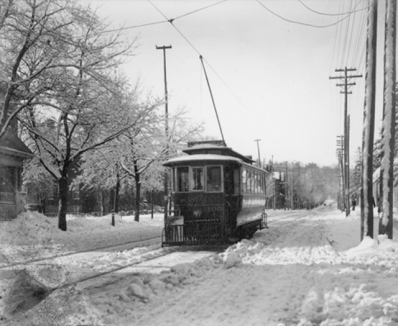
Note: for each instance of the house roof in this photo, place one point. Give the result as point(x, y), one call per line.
point(11, 144)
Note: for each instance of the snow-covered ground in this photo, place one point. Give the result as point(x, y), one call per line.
point(308, 268)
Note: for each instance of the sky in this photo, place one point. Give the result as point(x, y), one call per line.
point(269, 75)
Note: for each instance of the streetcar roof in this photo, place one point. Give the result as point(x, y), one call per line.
point(202, 157)
point(206, 148)
point(209, 157)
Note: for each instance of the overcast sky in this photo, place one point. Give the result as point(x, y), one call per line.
point(269, 76)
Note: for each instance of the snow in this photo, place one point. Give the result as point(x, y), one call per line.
point(308, 268)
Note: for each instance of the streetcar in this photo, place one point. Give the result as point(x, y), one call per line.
point(217, 196)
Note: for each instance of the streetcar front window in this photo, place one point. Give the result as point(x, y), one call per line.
point(214, 178)
point(182, 179)
point(197, 178)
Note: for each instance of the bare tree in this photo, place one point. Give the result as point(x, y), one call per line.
point(31, 31)
point(82, 106)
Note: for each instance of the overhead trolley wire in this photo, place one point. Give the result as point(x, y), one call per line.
point(301, 23)
point(307, 24)
point(329, 14)
point(136, 26)
point(164, 21)
point(196, 50)
point(192, 12)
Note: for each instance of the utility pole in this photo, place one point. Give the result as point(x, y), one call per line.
point(340, 151)
point(388, 127)
point(286, 186)
point(258, 149)
point(166, 103)
point(292, 196)
point(345, 78)
point(369, 123)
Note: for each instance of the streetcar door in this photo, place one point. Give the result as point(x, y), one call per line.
point(231, 188)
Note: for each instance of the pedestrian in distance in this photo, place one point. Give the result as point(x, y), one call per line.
point(354, 203)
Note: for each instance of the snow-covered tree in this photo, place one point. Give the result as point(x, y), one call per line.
point(139, 152)
point(83, 105)
point(35, 40)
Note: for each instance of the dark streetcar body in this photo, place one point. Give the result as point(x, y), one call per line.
point(217, 196)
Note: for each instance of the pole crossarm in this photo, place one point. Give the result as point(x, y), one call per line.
point(348, 84)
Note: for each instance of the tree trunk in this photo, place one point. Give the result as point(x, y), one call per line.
point(137, 178)
point(62, 202)
point(117, 190)
point(368, 124)
point(388, 128)
point(137, 198)
point(102, 202)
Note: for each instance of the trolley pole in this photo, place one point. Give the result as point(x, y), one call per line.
point(166, 176)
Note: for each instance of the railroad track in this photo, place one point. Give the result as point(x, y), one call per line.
point(119, 247)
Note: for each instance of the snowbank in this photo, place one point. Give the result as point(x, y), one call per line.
point(308, 268)
point(33, 235)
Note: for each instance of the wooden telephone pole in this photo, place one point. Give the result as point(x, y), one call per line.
point(339, 152)
point(388, 127)
point(346, 78)
point(369, 124)
point(166, 103)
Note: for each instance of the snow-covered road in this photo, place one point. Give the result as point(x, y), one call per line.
point(306, 269)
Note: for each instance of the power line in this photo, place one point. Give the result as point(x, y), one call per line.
point(136, 26)
point(346, 38)
point(301, 23)
point(192, 12)
point(163, 21)
point(329, 14)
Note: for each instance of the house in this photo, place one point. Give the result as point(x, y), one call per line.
point(13, 152)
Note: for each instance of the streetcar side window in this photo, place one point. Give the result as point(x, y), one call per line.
point(197, 180)
point(182, 179)
point(249, 181)
point(255, 190)
point(214, 181)
point(173, 178)
point(258, 182)
point(236, 181)
point(244, 180)
point(264, 184)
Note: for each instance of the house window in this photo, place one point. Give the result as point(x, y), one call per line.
point(76, 192)
point(182, 179)
point(197, 178)
point(7, 179)
point(53, 191)
point(214, 181)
